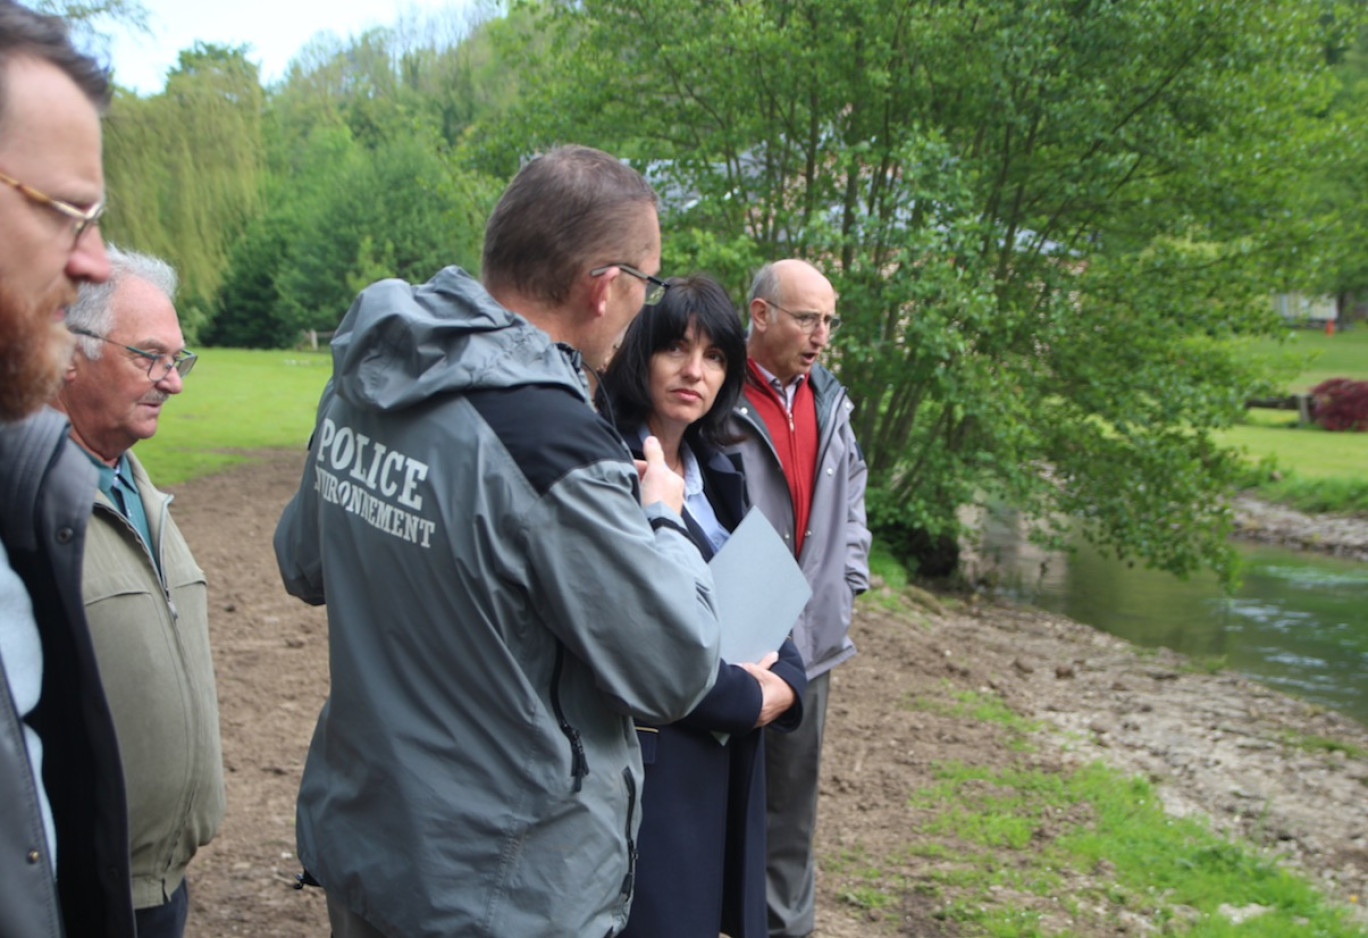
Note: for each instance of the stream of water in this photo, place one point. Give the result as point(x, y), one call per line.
point(1298, 623)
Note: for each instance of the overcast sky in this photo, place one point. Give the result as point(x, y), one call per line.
point(274, 29)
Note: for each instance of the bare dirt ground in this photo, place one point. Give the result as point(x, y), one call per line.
point(1215, 745)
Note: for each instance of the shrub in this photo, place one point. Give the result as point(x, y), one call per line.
point(1341, 404)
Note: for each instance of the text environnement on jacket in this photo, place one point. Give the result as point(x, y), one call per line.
point(46, 486)
point(151, 635)
point(500, 607)
point(836, 576)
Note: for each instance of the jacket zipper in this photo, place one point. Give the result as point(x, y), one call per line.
point(579, 765)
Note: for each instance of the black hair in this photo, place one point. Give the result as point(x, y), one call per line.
point(696, 300)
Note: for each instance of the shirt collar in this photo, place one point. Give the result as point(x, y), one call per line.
point(775, 382)
point(120, 474)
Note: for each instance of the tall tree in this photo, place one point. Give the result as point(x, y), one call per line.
point(1050, 221)
point(354, 215)
point(185, 168)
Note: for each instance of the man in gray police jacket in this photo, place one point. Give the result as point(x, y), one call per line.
point(500, 605)
point(805, 471)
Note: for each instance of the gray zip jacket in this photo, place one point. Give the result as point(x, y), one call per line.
point(835, 555)
point(500, 607)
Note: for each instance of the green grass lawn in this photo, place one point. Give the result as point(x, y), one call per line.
point(235, 400)
point(1310, 452)
point(1314, 470)
point(1311, 356)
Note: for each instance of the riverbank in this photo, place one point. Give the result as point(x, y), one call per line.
point(1286, 778)
point(1267, 523)
point(936, 682)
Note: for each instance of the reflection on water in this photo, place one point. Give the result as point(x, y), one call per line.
point(1299, 621)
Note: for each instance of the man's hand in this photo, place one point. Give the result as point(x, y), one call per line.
point(658, 481)
point(775, 694)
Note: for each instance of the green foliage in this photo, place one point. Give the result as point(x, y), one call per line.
point(884, 566)
point(1046, 221)
point(247, 311)
point(185, 170)
point(398, 210)
point(1334, 495)
point(236, 402)
point(1338, 211)
point(276, 207)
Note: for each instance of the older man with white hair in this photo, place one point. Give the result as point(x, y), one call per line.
point(145, 597)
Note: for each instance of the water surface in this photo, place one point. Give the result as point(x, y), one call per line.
point(1299, 622)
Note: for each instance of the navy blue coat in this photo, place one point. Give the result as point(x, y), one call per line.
point(701, 868)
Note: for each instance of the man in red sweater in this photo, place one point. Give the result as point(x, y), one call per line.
point(806, 473)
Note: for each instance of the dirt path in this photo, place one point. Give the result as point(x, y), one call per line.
point(1216, 744)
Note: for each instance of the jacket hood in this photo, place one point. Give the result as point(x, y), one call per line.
point(401, 344)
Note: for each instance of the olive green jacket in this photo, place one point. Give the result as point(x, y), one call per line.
point(151, 635)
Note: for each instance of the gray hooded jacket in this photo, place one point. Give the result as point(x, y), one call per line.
point(499, 607)
point(835, 555)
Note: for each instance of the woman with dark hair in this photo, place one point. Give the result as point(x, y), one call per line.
point(701, 869)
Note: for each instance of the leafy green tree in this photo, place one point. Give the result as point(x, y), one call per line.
point(355, 215)
point(1051, 223)
point(397, 211)
point(1339, 198)
point(185, 168)
point(247, 310)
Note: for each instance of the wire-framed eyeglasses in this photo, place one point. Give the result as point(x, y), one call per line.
point(159, 364)
point(81, 218)
point(808, 322)
point(655, 287)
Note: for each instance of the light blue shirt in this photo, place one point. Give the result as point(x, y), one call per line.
point(696, 504)
point(21, 655)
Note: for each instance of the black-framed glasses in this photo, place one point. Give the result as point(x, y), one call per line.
point(81, 218)
point(808, 322)
point(655, 287)
point(159, 364)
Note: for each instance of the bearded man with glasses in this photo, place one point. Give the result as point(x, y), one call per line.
point(145, 597)
point(64, 867)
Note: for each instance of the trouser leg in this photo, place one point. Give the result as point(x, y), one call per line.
point(792, 767)
point(347, 924)
point(166, 920)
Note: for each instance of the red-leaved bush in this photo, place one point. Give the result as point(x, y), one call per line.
point(1341, 404)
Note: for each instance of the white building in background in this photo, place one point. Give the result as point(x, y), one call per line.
point(1304, 310)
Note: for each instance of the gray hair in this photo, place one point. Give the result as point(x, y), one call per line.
point(563, 211)
point(765, 286)
point(93, 310)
